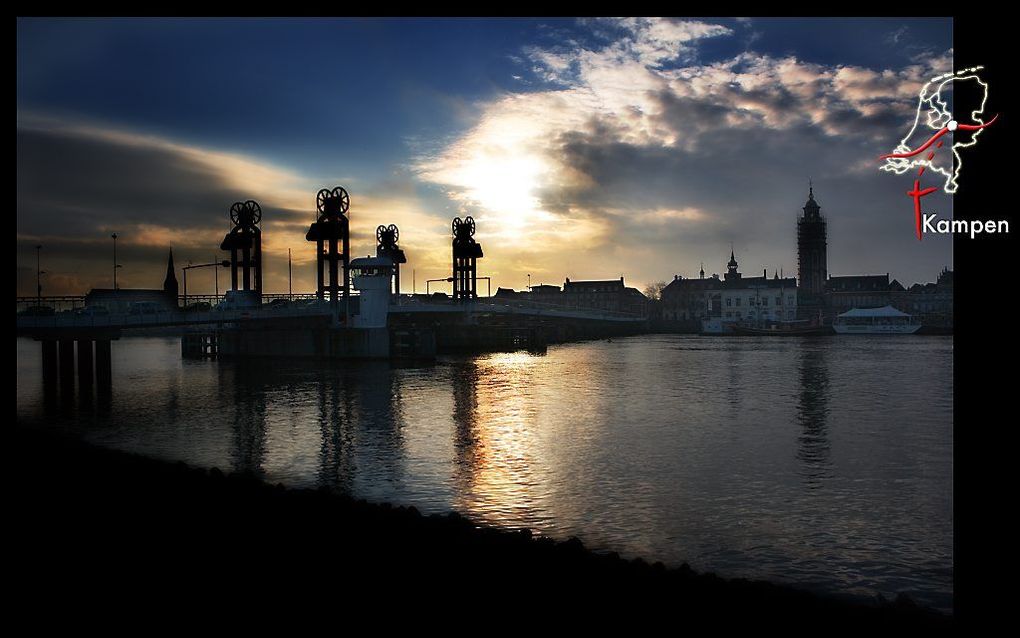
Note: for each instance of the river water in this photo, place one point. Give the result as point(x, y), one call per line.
point(825, 462)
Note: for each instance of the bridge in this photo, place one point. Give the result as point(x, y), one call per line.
point(357, 310)
point(73, 322)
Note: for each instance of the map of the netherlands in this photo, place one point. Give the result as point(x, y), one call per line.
point(935, 113)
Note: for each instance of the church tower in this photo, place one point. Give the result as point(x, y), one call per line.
point(812, 263)
point(170, 283)
point(732, 274)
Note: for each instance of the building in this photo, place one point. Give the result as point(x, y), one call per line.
point(764, 298)
point(684, 302)
point(687, 302)
point(859, 291)
point(545, 294)
point(932, 303)
point(611, 295)
point(608, 295)
point(123, 300)
point(812, 258)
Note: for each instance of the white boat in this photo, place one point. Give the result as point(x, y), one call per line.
point(875, 321)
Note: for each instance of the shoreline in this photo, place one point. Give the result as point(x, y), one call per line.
point(134, 518)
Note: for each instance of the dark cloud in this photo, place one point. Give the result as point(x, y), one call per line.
point(75, 187)
point(79, 183)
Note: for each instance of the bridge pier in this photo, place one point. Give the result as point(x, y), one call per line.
point(49, 370)
point(104, 365)
point(84, 365)
point(65, 349)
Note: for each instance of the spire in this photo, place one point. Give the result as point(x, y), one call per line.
point(731, 267)
point(170, 282)
point(702, 270)
point(811, 208)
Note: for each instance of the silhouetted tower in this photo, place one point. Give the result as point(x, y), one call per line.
point(465, 254)
point(386, 246)
point(731, 268)
point(245, 238)
point(811, 255)
point(170, 282)
point(332, 236)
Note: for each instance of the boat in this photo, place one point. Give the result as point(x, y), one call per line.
point(875, 321)
point(797, 328)
point(766, 327)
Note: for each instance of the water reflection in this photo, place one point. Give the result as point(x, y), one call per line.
point(710, 451)
point(335, 420)
point(470, 453)
point(377, 420)
point(813, 413)
point(496, 434)
point(248, 386)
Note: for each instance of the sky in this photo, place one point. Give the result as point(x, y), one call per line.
point(588, 149)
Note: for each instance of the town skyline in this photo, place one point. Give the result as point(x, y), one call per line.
point(585, 149)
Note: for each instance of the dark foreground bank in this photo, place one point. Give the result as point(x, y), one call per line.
point(115, 527)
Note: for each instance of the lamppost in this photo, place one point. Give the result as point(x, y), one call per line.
point(428, 281)
point(115, 264)
point(488, 285)
point(529, 281)
point(224, 264)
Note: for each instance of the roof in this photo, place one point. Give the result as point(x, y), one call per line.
point(760, 282)
point(711, 283)
point(884, 311)
point(592, 283)
point(363, 262)
point(856, 283)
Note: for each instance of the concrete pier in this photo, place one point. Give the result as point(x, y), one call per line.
point(50, 369)
point(65, 352)
point(305, 338)
point(104, 366)
point(85, 375)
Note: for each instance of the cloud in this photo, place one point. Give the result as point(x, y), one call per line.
point(623, 150)
point(639, 151)
point(78, 183)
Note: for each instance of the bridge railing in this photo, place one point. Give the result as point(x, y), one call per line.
point(507, 304)
point(65, 303)
point(167, 318)
point(56, 302)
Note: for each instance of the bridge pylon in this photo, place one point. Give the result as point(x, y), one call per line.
point(332, 236)
point(466, 253)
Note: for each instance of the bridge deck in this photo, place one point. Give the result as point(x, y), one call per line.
point(68, 320)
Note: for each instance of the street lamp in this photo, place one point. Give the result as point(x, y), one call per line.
point(223, 264)
point(488, 282)
point(38, 276)
point(428, 281)
point(115, 264)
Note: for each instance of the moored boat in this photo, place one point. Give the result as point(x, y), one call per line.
point(875, 321)
point(801, 328)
